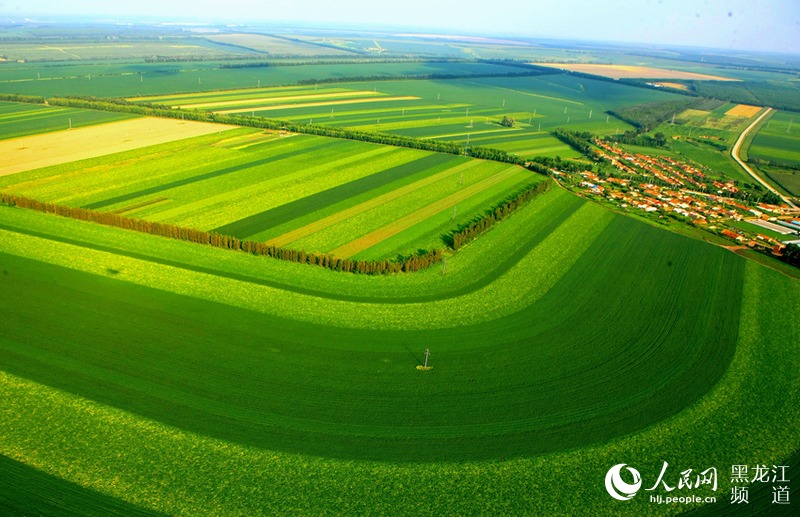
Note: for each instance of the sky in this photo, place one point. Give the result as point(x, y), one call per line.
point(761, 25)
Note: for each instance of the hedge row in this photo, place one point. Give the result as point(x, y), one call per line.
point(406, 264)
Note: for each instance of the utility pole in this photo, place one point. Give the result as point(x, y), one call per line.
point(444, 266)
point(427, 355)
point(455, 208)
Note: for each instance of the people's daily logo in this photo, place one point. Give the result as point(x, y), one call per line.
point(617, 487)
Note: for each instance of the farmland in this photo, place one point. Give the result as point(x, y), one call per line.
point(633, 72)
point(466, 111)
point(251, 184)
point(150, 375)
point(17, 120)
point(177, 407)
point(127, 79)
point(774, 150)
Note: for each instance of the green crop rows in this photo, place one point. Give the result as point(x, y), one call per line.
point(260, 186)
point(455, 110)
point(18, 120)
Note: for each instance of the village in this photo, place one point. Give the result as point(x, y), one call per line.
point(666, 187)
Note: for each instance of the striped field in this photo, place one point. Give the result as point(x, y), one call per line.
point(312, 193)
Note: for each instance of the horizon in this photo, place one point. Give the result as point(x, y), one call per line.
point(734, 25)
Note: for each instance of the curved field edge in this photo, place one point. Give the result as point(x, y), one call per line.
point(517, 287)
point(466, 271)
point(117, 453)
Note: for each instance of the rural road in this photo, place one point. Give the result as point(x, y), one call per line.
point(735, 155)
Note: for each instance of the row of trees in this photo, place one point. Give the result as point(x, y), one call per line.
point(635, 138)
point(398, 77)
point(578, 140)
point(468, 232)
point(792, 254)
point(773, 163)
point(122, 106)
point(15, 97)
point(420, 260)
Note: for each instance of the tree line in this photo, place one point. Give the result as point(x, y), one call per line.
point(578, 140)
point(123, 106)
point(402, 264)
point(398, 77)
point(468, 232)
point(636, 138)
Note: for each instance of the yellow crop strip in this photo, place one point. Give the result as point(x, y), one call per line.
point(313, 104)
point(338, 217)
point(391, 229)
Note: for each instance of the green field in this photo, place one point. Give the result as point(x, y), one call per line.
point(263, 391)
point(779, 139)
point(467, 111)
point(77, 50)
point(127, 79)
point(141, 375)
point(18, 119)
point(260, 186)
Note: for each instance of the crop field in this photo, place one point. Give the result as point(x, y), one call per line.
point(144, 375)
point(43, 150)
point(633, 72)
point(105, 49)
point(181, 377)
point(779, 139)
point(315, 193)
point(277, 45)
point(18, 119)
point(128, 79)
point(466, 111)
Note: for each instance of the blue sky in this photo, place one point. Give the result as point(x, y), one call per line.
point(772, 25)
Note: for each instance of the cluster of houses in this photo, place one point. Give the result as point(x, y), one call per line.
point(665, 185)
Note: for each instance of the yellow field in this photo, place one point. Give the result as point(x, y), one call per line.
point(632, 72)
point(677, 86)
point(33, 152)
point(314, 104)
point(743, 110)
point(391, 229)
point(280, 99)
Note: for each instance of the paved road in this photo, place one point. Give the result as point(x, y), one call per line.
point(735, 155)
